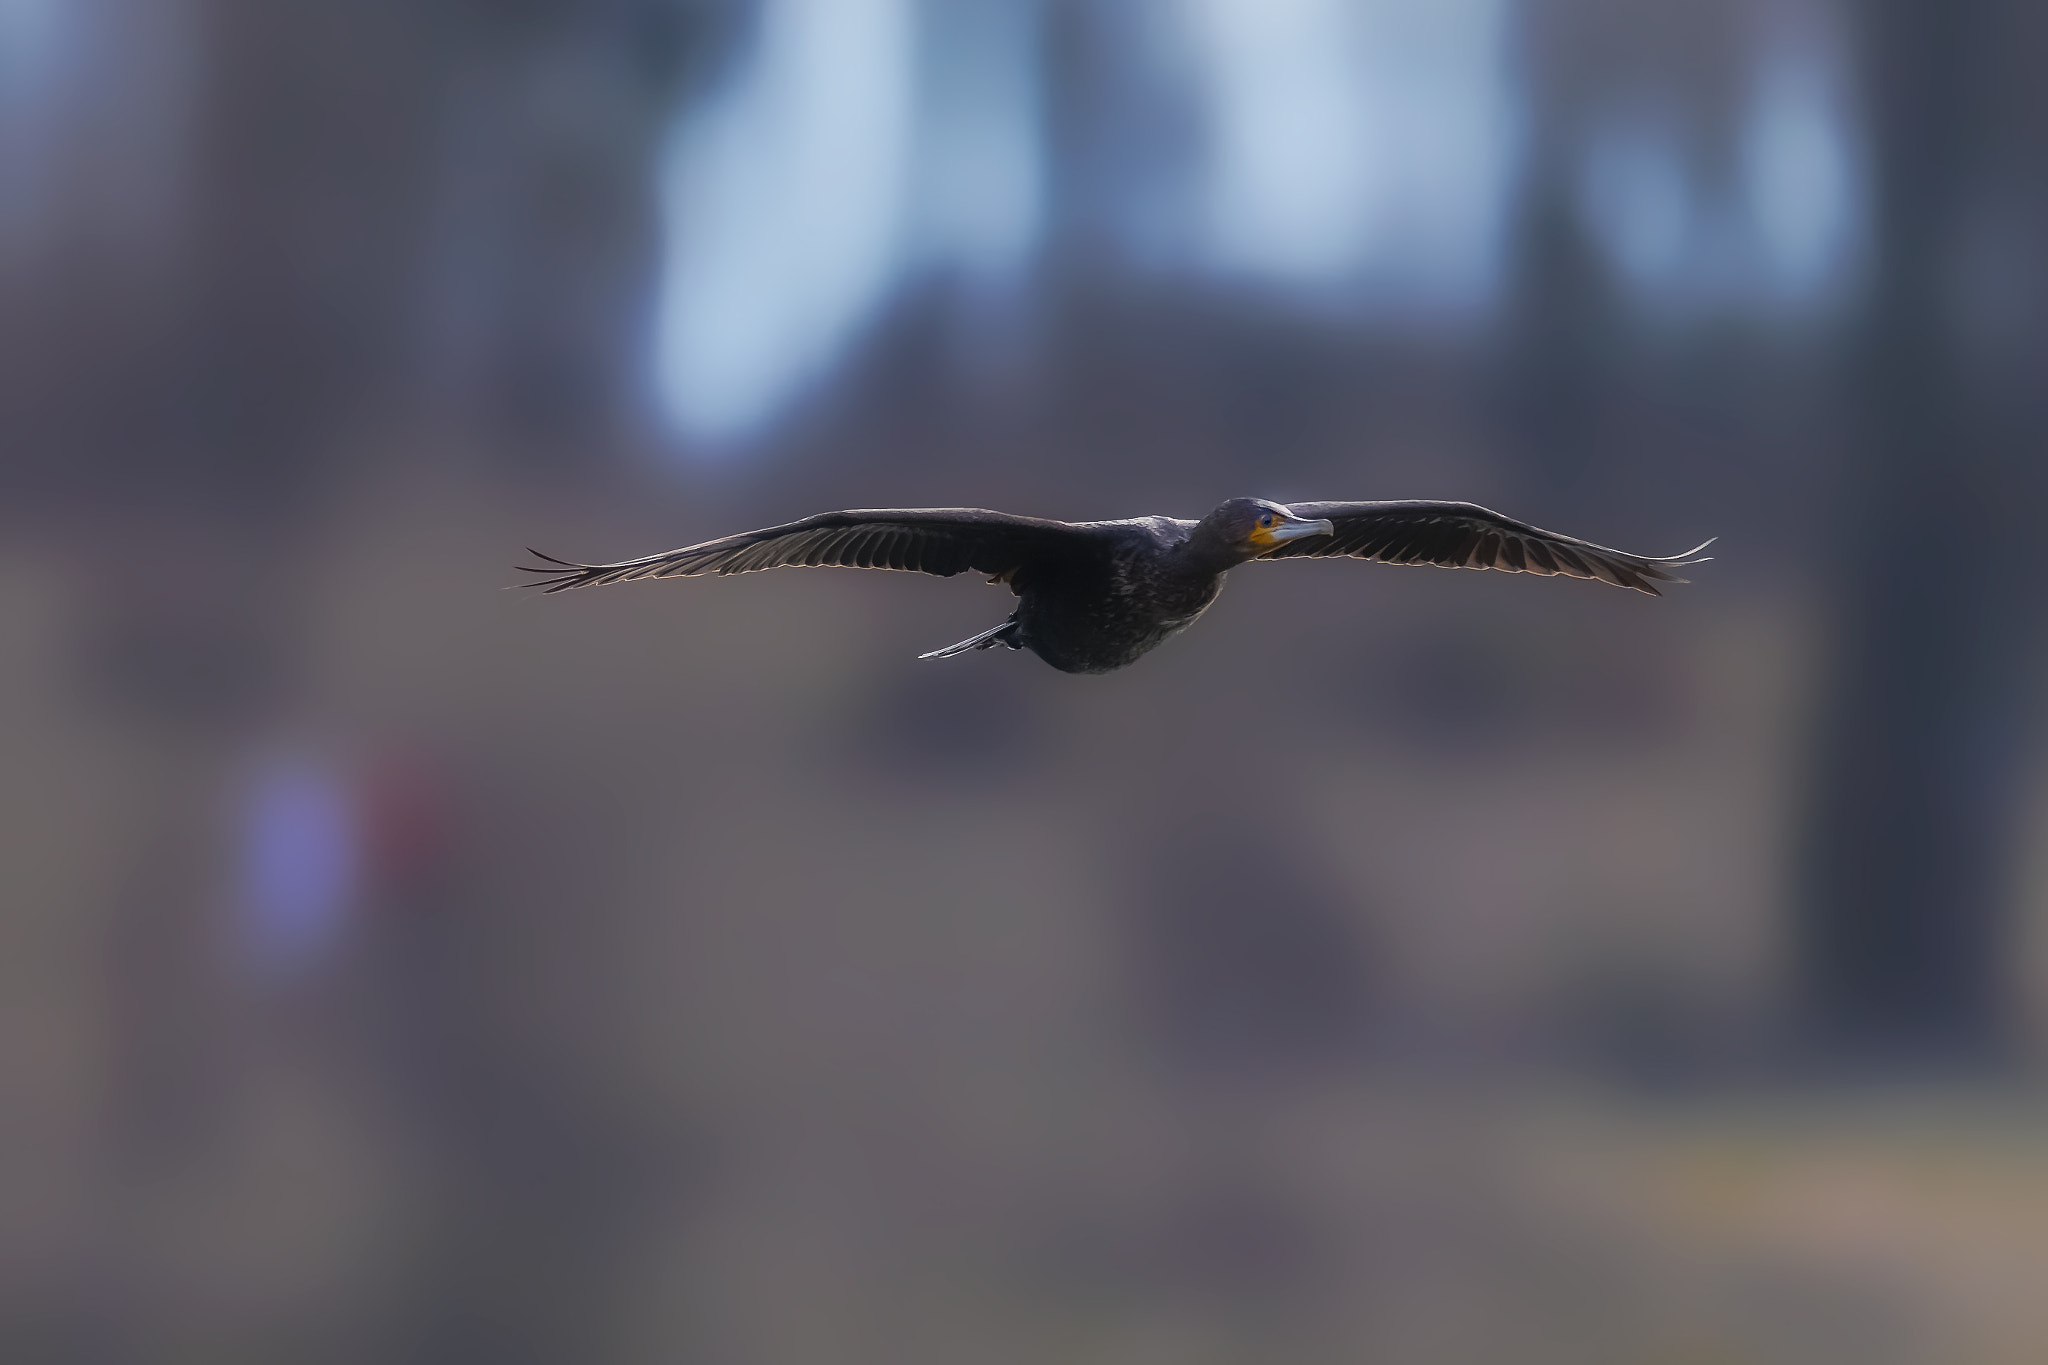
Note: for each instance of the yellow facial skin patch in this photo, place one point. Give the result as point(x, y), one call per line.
point(1275, 530)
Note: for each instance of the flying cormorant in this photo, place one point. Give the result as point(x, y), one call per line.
point(1095, 595)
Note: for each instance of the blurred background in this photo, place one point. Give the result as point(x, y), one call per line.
point(1400, 967)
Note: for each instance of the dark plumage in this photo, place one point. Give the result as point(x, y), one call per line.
point(1095, 595)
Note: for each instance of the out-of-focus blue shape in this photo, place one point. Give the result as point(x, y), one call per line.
point(1354, 150)
point(980, 150)
point(28, 33)
point(784, 202)
point(1292, 165)
point(1798, 173)
point(1356, 140)
point(299, 853)
point(96, 128)
point(29, 40)
point(1778, 237)
point(1637, 200)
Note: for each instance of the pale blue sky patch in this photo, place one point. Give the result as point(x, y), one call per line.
point(784, 202)
point(28, 38)
point(1798, 175)
point(1291, 177)
point(1637, 198)
point(1445, 132)
point(29, 43)
point(980, 188)
point(1355, 142)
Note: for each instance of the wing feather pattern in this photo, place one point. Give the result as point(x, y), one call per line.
point(1466, 536)
point(942, 541)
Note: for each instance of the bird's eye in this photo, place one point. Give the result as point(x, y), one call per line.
point(1266, 520)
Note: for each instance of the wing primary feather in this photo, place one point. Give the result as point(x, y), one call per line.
point(846, 547)
point(1569, 563)
point(830, 543)
point(1688, 557)
point(832, 546)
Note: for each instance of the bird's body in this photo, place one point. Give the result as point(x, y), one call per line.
point(1098, 612)
point(1096, 596)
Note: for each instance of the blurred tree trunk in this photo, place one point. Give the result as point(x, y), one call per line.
point(1562, 333)
point(1908, 838)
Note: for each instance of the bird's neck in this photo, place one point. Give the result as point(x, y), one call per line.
point(1206, 554)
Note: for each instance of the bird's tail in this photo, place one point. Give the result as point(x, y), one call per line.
point(1004, 634)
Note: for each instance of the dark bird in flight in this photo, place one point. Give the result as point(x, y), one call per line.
point(1093, 596)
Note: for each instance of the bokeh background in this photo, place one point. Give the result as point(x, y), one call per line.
point(1400, 967)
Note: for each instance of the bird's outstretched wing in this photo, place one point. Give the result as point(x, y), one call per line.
point(1465, 536)
point(934, 540)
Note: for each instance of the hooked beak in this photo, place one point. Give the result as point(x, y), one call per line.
point(1294, 528)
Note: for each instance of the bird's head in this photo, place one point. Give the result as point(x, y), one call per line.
point(1245, 528)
